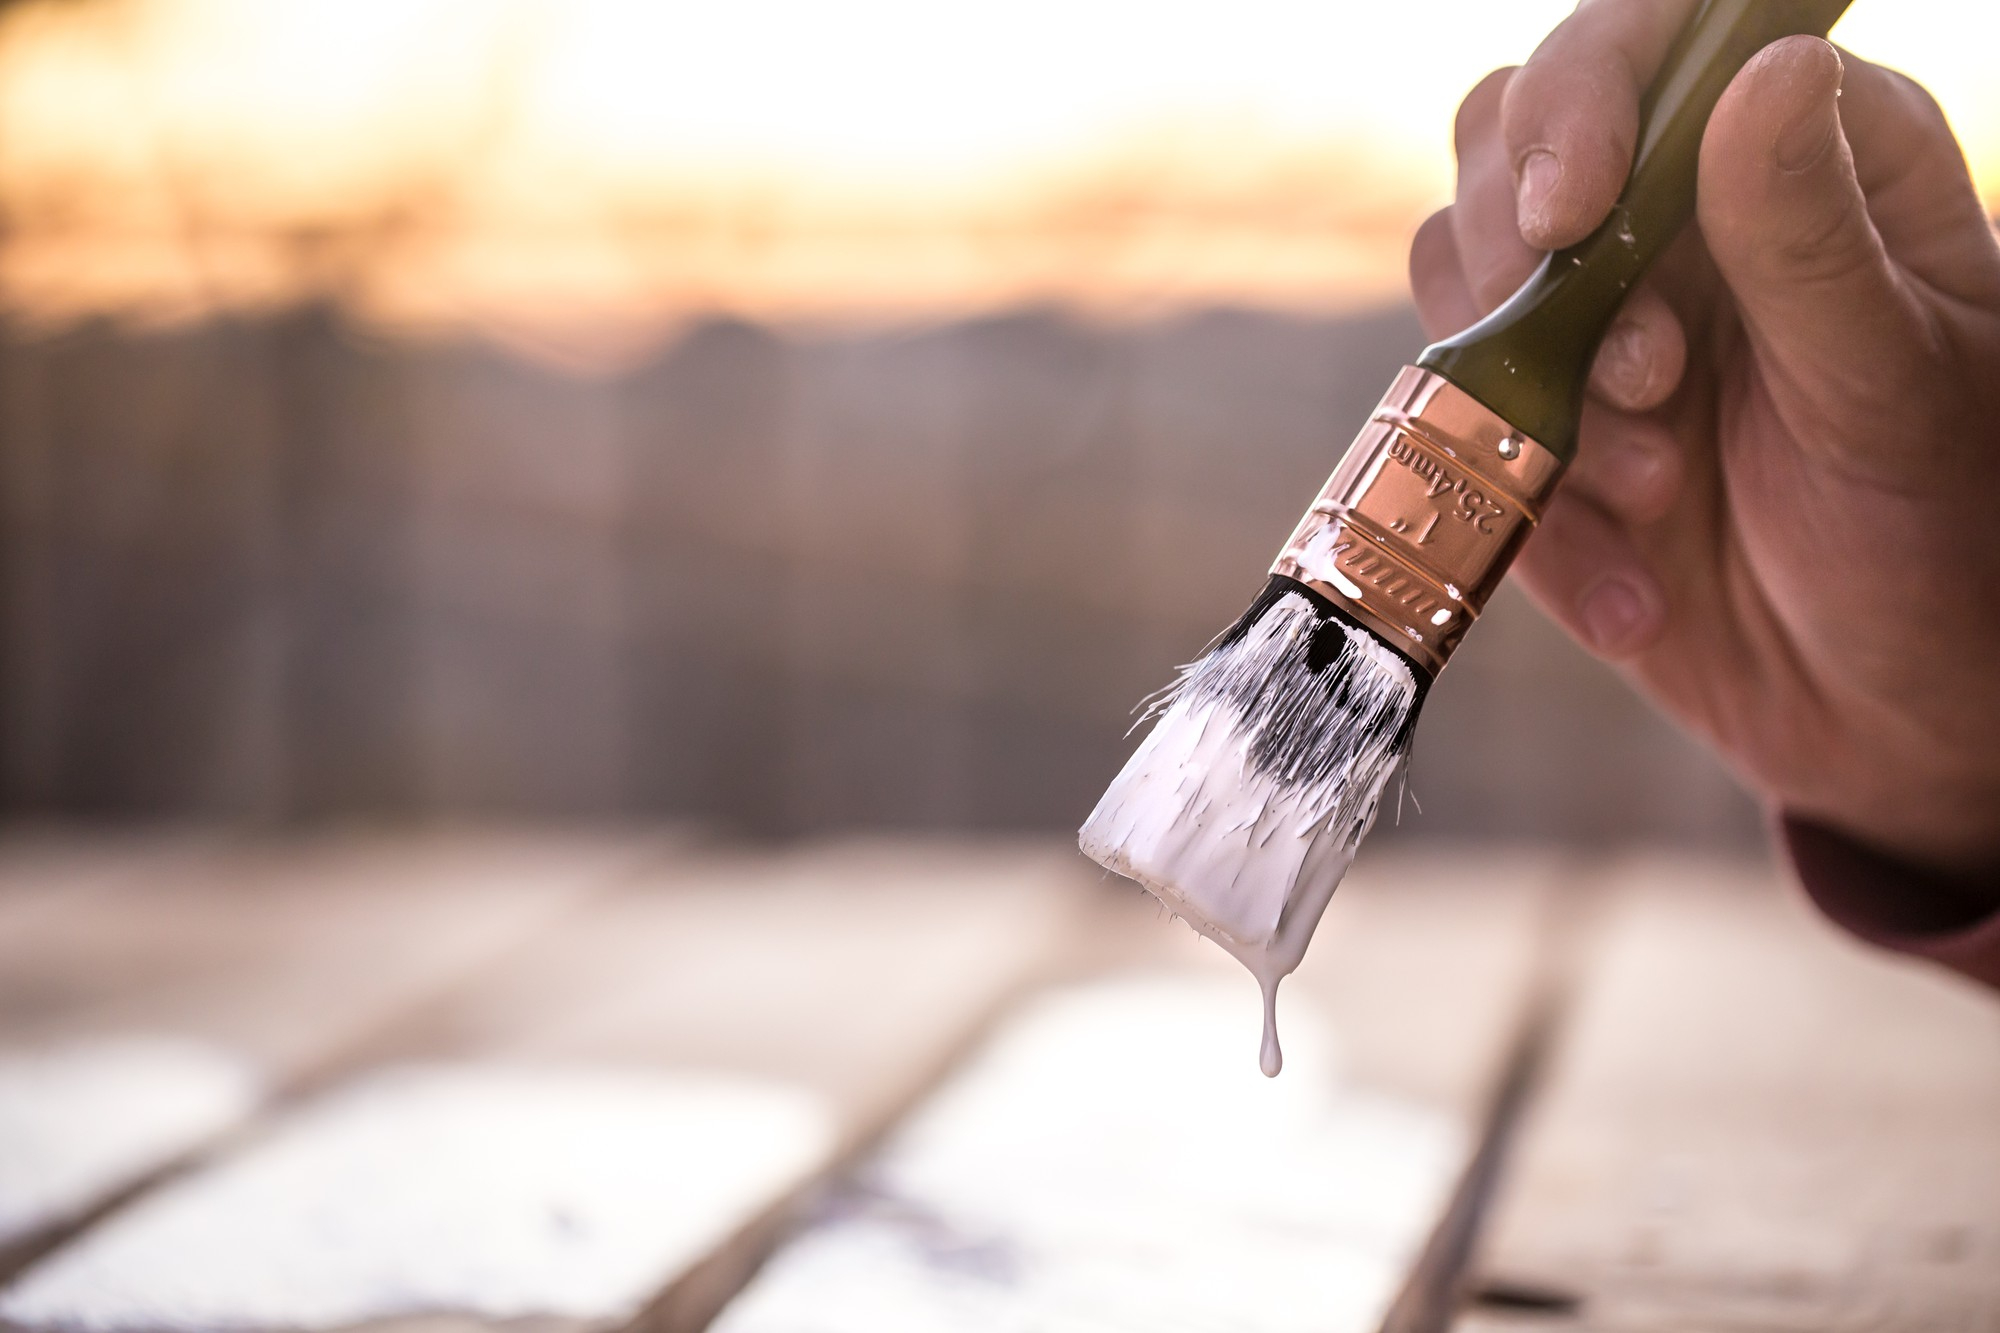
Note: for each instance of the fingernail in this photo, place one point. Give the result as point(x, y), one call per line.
point(1535, 183)
point(1613, 614)
point(1805, 140)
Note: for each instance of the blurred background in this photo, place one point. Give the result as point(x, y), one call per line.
point(794, 417)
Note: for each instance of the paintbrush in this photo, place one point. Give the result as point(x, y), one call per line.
point(1267, 757)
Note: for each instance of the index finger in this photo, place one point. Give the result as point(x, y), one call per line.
point(1570, 117)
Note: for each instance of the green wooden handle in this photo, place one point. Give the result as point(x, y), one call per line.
point(1530, 359)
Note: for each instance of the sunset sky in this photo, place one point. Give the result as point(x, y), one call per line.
point(614, 163)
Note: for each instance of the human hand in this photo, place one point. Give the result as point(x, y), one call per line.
point(1783, 521)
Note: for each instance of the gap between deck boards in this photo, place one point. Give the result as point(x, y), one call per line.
point(1437, 1289)
point(692, 1300)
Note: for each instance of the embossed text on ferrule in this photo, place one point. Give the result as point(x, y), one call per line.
point(1471, 503)
point(1422, 516)
point(1436, 516)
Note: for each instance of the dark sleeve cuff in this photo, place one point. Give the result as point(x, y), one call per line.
point(1896, 905)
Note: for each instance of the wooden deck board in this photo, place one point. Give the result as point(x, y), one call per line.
point(853, 969)
point(1748, 1122)
point(1753, 1123)
point(838, 980)
point(1429, 961)
point(45, 871)
point(189, 979)
point(1113, 1159)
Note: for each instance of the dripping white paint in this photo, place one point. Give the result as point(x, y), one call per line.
point(1243, 806)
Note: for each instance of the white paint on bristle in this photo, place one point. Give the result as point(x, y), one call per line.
point(1242, 808)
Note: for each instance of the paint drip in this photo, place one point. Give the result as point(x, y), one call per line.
point(1243, 806)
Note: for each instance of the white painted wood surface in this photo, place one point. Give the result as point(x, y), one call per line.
point(1750, 1123)
point(79, 1119)
point(487, 1191)
point(1113, 1160)
point(836, 979)
point(1754, 1122)
point(154, 991)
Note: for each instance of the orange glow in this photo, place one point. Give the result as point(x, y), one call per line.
point(569, 167)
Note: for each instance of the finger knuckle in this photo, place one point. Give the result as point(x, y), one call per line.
point(1917, 100)
point(1480, 108)
point(1432, 240)
point(1826, 249)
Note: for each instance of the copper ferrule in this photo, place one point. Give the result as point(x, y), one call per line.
point(1419, 522)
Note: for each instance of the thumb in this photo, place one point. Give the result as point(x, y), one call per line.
point(1826, 311)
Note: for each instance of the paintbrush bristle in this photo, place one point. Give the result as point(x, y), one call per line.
point(1261, 774)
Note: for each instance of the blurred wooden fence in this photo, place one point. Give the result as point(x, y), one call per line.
point(271, 571)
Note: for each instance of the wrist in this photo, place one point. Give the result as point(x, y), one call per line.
point(1882, 896)
point(1918, 791)
point(1955, 860)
